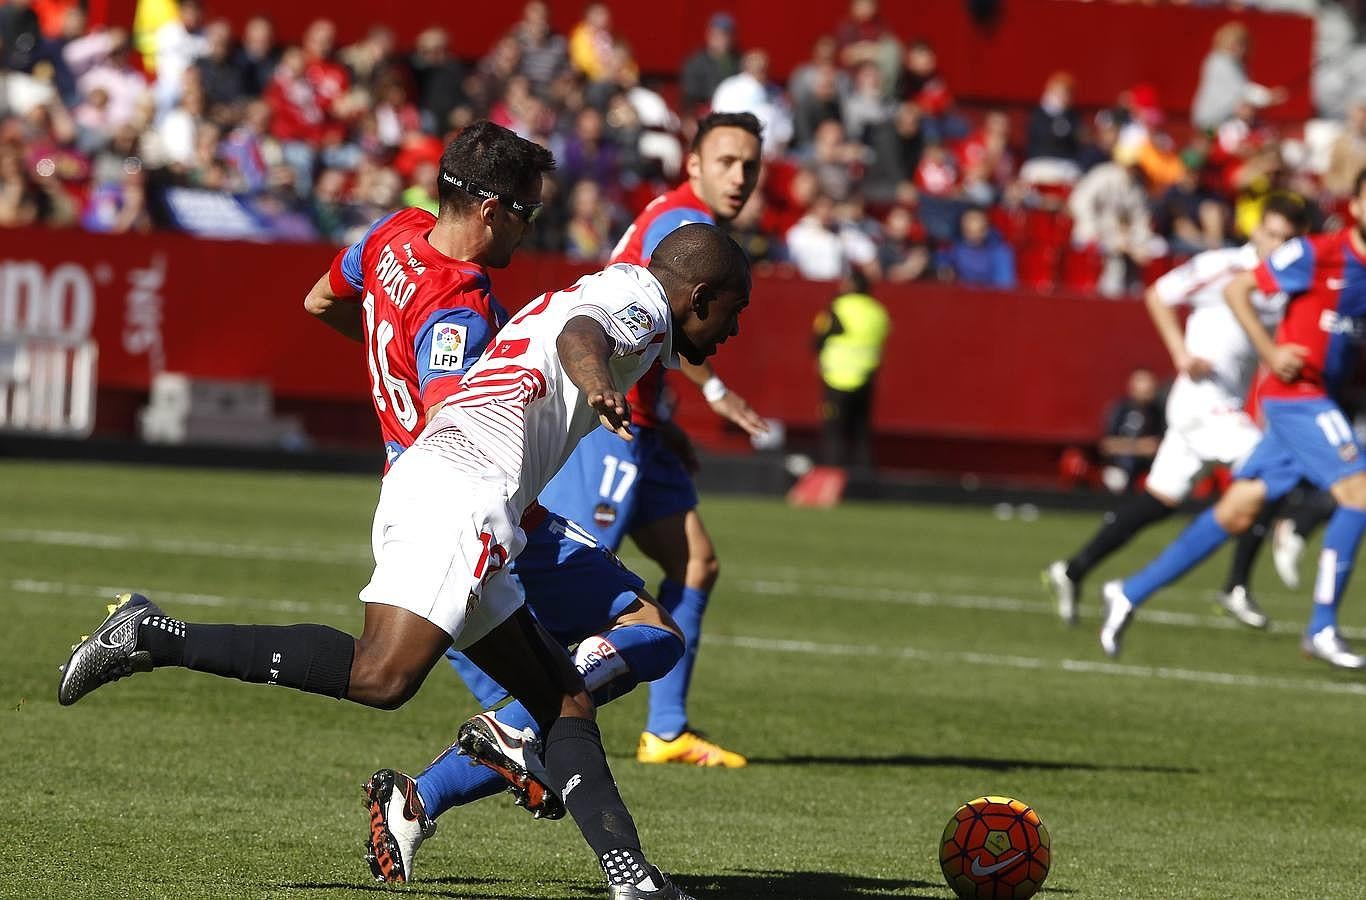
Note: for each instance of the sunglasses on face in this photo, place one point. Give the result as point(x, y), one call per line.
point(527, 212)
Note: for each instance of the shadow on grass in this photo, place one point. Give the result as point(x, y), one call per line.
point(807, 886)
point(454, 887)
point(964, 762)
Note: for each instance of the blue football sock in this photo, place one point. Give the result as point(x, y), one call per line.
point(1201, 538)
point(451, 781)
point(1340, 541)
point(669, 695)
point(615, 662)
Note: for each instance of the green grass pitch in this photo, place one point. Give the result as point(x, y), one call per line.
point(880, 665)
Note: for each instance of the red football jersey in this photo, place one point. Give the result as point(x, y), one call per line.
point(1326, 281)
point(427, 319)
point(680, 206)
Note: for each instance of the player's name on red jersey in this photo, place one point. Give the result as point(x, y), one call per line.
point(427, 318)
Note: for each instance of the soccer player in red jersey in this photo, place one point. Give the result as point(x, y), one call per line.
point(642, 487)
point(1307, 365)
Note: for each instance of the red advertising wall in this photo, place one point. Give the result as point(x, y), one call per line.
point(964, 368)
point(1109, 46)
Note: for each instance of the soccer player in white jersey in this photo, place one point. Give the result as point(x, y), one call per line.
point(1206, 422)
point(447, 524)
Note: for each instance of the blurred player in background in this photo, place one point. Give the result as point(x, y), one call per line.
point(1307, 437)
point(1206, 422)
point(642, 487)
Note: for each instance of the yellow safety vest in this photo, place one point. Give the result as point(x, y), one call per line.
point(849, 358)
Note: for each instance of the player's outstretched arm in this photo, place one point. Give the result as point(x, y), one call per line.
point(1284, 360)
point(342, 314)
point(584, 349)
point(723, 401)
point(1169, 329)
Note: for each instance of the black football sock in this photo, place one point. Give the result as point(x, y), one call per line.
point(1313, 511)
point(1246, 548)
point(1119, 525)
point(577, 766)
point(312, 658)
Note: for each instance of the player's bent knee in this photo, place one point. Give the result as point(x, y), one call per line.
point(1351, 491)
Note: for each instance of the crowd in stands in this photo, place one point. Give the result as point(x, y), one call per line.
point(870, 160)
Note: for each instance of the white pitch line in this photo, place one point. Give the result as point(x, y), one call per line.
point(773, 645)
point(1087, 667)
point(360, 555)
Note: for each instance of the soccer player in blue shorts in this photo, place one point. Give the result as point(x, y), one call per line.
point(643, 487)
point(1307, 436)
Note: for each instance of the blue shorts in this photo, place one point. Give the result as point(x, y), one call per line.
point(612, 486)
point(1305, 439)
point(574, 586)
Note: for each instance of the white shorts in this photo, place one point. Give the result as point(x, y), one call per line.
point(442, 540)
point(1188, 451)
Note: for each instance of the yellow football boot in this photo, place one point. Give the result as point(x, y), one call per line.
point(690, 749)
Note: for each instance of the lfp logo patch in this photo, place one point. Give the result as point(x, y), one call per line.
point(637, 319)
point(448, 347)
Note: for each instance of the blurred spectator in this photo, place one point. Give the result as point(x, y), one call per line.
point(19, 35)
point(105, 64)
point(370, 60)
point(902, 252)
point(257, 58)
point(327, 77)
point(979, 256)
point(221, 79)
point(72, 27)
point(836, 161)
point(817, 90)
point(866, 107)
point(395, 116)
point(439, 78)
point(586, 152)
point(1133, 429)
point(588, 235)
point(1191, 218)
point(823, 248)
point(1054, 126)
point(1224, 82)
point(849, 339)
point(1099, 146)
point(750, 91)
point(591, 43)
point(545, 54)
point(1348, 154)
point(178, 44)
point(747, 228)
point(421, 191)
point(921, 83)
point(711, 65)
point(1109, 209)
point(863, 37)
point(897, 147)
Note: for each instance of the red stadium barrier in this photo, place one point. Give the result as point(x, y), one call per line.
point(968, 373)
point(1109, 46)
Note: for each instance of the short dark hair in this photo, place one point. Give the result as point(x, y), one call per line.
point(493, 158)
point(1359, 183)
point(1292, 207)
point(744, 121)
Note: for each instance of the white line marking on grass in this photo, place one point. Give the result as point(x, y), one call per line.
point(795, 584)
point(1079, 666)
point(774, 645)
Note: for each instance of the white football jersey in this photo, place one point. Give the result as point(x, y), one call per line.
point(1213, 332)
point(517, 408)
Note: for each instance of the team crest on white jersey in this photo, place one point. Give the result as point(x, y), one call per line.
point(448, 347)
point(635, 318)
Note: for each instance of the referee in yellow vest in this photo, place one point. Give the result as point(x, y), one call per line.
point(849, 338)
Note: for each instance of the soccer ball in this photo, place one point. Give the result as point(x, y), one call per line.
point(995, 848)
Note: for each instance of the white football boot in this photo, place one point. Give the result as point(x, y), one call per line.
point(1119, 612)
point(1286, 549)
point(1239, 604)
point(1327, 645)
point(1063, 589)
point(398, 825)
